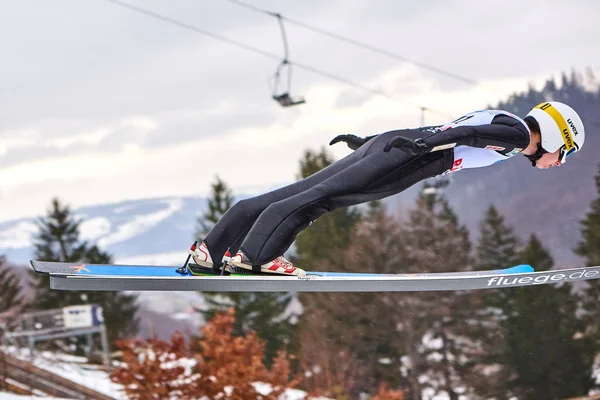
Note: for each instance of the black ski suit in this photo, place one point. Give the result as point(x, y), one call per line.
point(265, 226)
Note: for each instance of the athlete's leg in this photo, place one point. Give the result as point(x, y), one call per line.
point(232, 228)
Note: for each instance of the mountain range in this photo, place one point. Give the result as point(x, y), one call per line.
point(154, 229)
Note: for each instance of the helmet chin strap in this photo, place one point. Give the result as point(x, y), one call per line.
point(537, 155)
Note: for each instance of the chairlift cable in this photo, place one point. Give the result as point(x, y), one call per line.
point(358, 44)
point(270, 55)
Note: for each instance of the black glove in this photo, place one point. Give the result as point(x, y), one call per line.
point(414, 147)
point(353, 141)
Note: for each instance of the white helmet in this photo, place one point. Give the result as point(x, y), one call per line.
point(560, 126)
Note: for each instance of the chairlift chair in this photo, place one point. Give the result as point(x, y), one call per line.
point(282, 96)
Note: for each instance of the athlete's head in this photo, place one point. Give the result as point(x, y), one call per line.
point(556, 132)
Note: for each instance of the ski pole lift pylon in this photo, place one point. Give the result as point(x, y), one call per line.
point(282, 94)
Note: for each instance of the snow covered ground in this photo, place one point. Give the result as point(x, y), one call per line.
point(75, 369)
point(71, 367)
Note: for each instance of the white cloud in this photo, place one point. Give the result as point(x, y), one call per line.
point(140, 122)
point(92, 137)
point(90, 166)
point(12, 139)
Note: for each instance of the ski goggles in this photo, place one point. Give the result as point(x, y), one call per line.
point(564, 153)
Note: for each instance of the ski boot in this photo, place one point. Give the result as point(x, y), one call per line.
point(201, 256)
point(278, 266)
point(203, 263)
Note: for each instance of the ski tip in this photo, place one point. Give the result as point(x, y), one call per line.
point(519, 269)
point(38, 266)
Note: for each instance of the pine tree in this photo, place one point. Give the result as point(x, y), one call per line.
point(547, 354)
point(420, 334)
point(498, 245)
point(515, 327)
point(345, 336)
point(589, 249)
point(263, 313)
point(11, 291)
point(218, 204)
point(437, 328)
point(58, 240)
point(322, 245)
point(498, 248)
point(589, 246)
point(330, 233)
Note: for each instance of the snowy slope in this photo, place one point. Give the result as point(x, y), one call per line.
point(161, 229)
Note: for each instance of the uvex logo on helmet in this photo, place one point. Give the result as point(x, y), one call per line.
point(568, 139)
point(572, 125)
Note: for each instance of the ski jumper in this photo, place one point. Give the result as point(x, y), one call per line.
point(265, 226)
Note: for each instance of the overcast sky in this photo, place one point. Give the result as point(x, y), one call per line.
point(99, 103)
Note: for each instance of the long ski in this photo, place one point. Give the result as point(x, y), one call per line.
point(69, 276)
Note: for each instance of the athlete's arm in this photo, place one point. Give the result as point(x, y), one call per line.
point(504, 134)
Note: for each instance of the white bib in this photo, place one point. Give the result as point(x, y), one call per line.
point(475, 157)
